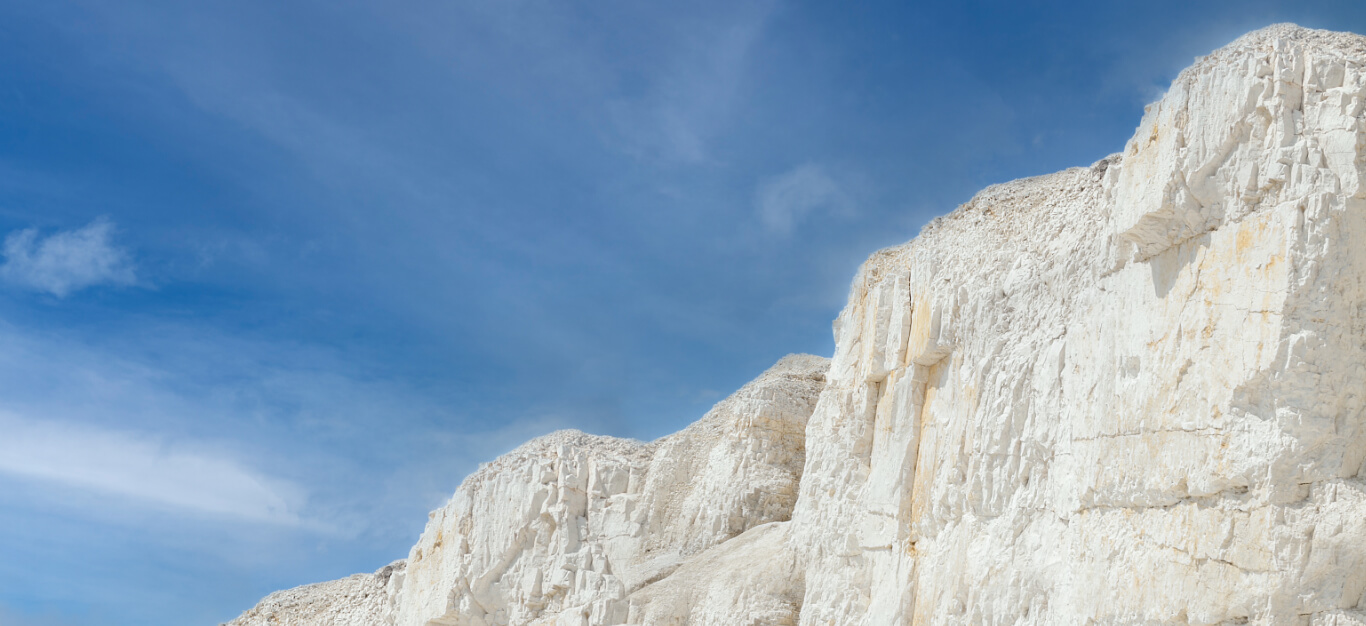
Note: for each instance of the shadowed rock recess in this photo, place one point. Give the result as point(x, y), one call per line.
point(1129, 393)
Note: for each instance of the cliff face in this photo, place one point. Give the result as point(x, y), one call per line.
point(357, 600)
point(1128, 393)
point(1125, 393)
point(566, 527)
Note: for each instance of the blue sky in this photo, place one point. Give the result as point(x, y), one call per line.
point(277, 275)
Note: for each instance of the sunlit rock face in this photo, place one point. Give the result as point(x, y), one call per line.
point(565, 528)
point(1123, 394)
point(358, 600)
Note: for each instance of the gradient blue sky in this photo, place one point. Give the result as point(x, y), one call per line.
point(277, 275)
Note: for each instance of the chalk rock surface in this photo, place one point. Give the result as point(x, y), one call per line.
point(564, 528)
point(357, 600)
point(1130, 393)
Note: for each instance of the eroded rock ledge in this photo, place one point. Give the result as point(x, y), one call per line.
point(566, 527)
point(1128, 393)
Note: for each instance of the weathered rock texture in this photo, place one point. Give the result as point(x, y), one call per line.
point(1124, 394)
point(563, 529)
point(358, 600)
point(566, 527)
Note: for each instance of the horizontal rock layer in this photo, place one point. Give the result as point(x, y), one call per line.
point(1123, 394)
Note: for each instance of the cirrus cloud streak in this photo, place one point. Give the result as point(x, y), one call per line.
point(145, 469)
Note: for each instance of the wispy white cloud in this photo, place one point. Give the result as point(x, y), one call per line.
point(695, 87)
point(145, 468)
point(784, 201)
point(67, 261)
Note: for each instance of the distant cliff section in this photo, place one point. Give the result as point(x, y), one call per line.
point(569, 526)
point(357, 600)
point(1122, 394)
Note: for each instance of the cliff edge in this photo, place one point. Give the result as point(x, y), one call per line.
point(1122, 394)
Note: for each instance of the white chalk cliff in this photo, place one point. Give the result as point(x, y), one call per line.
point(1130, 393)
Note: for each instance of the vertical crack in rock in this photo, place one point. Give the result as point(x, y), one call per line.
point(1125, 393)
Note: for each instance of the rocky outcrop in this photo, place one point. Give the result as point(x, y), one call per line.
point(1128, 393)
point(357, 600)
point(565, 528)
